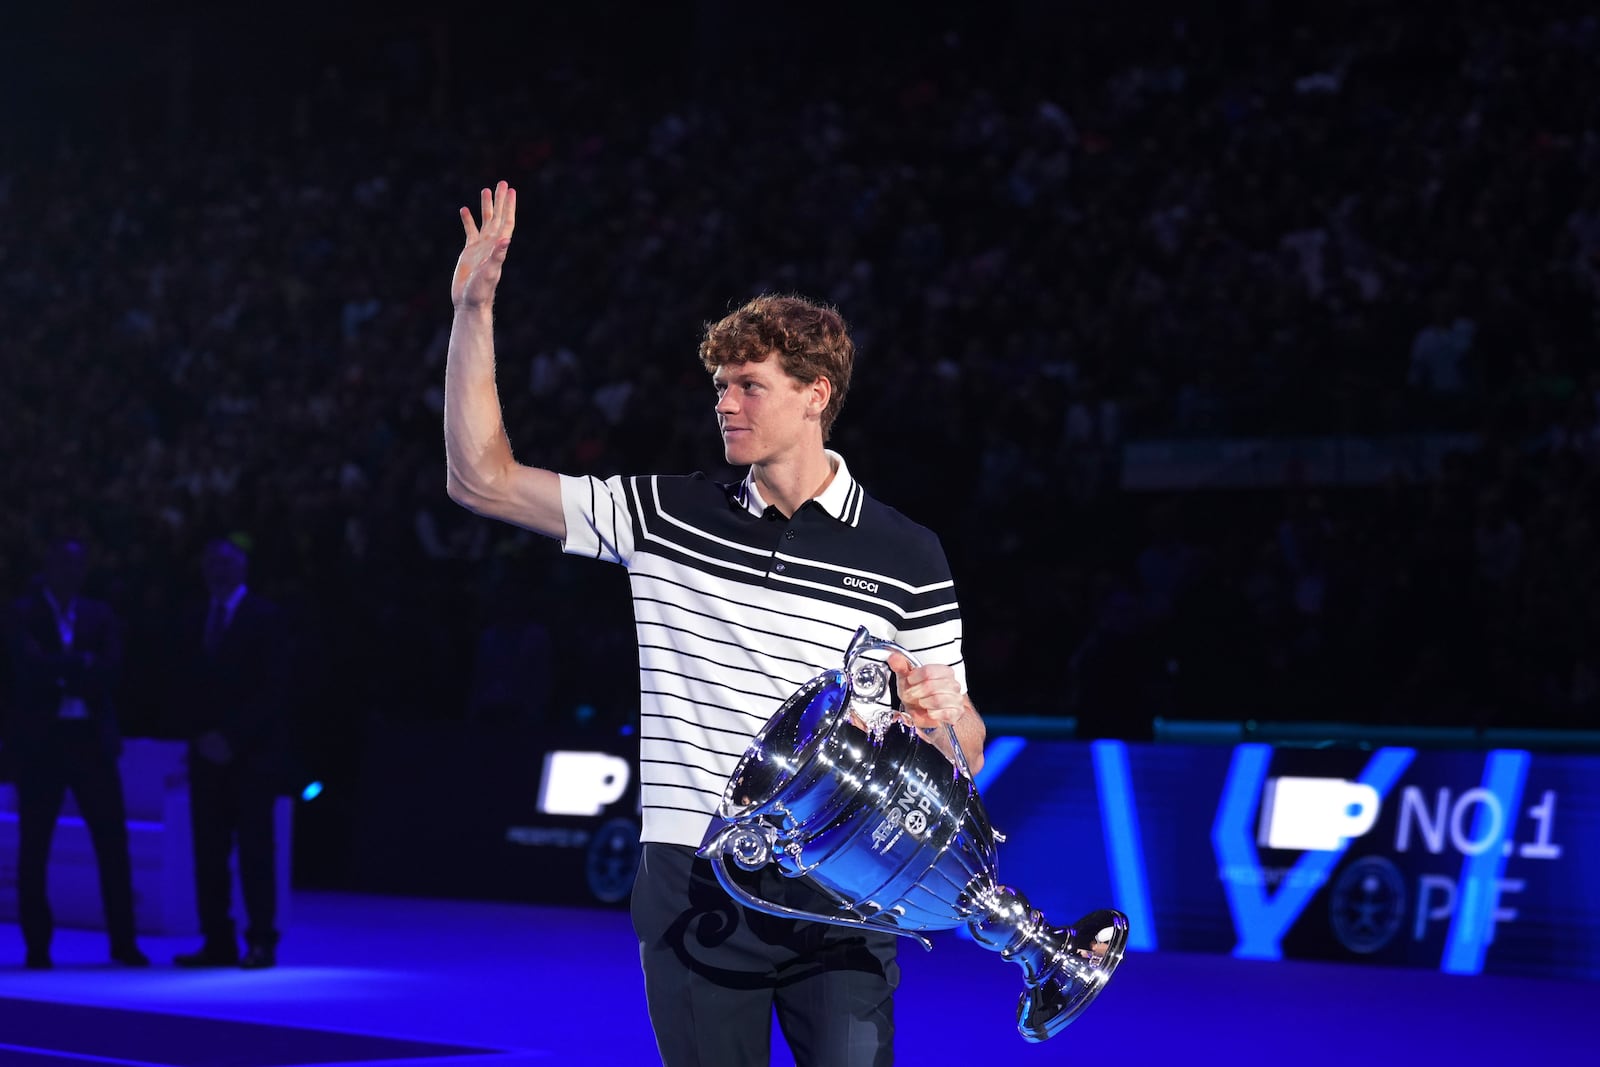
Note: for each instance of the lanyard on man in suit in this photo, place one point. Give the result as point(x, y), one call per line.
point(72, 707)
point(220, 617)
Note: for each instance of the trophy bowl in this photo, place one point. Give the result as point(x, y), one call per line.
point(837, 790)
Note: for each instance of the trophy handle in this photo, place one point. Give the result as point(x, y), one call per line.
point(871, 679)
point(742, 842)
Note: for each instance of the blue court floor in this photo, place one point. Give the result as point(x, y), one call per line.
point(408, 982)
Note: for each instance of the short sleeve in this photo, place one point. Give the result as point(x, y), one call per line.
point(599, 517)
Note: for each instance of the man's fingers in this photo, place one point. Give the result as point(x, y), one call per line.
point(497, 215)
point(930, 693)
point(505, 211)
point(898, 663)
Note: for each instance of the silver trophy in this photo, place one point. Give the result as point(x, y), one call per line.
point(838, 790)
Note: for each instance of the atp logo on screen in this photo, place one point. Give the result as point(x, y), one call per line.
point(582, 783)
point(1315, 814)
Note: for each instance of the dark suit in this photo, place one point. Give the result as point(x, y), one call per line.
point(50, 754)
point(238, 688)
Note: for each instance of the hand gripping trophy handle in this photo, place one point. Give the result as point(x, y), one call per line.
point(869, 679)
point(838, 789)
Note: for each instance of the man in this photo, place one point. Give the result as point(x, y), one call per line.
point(741, 593)
point(236, 714)
point(66, 654)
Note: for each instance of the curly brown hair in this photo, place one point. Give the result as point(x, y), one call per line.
point(810, 338)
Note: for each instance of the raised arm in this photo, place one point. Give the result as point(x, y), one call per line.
point(483, 475)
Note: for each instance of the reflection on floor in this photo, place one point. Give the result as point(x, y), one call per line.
point(426, 983)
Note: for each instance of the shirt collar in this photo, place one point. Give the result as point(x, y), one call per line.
point(842, 498)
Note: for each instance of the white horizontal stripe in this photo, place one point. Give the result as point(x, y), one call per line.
point(728, 733)
point(824, 643)
point(670, 682)
point(781, 614)
point(673, 776)
point(729, 728)
point(875, 576)
point(840, 590)
point(672, 772)
point(677, 546)
point(655, 494)
point(761, 674)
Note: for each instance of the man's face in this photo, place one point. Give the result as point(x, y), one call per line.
point(224, 567)
point(763, 412)
point(66, 568)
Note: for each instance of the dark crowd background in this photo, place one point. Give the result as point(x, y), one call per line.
point(226, 238)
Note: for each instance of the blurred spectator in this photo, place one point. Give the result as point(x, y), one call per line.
point(513, 665)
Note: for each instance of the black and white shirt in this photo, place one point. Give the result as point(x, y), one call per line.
point(736, 607)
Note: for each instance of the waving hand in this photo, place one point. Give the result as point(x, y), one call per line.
point(478, 269)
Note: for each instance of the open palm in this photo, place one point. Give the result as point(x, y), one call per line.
point(478, 269)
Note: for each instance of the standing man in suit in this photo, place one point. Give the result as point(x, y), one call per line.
point(61, 734)
point(236, 716)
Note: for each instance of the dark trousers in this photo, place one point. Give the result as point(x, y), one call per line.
point(231, 805)
point(74, 758)
point(716, 971)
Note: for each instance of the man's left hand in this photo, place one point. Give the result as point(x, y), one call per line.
point(930, 695)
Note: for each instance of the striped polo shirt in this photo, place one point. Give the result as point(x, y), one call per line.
point(736, 607)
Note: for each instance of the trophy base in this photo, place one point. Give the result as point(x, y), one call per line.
point(1095, 945)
